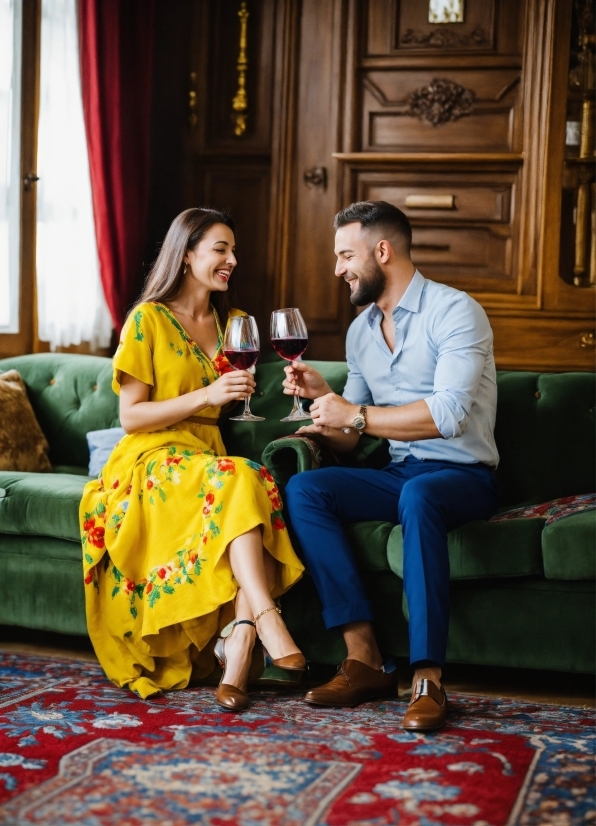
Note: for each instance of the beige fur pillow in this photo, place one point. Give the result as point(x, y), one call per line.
point(22, 443)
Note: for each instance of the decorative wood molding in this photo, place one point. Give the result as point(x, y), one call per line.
point(240, 101)
point(287, 31)
point(446, 38)
point(441, 101)
point(428, 157)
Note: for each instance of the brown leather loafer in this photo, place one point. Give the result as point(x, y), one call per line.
point(354, 683)
point(428, 707)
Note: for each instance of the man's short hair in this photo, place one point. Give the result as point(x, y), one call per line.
point(378, 215)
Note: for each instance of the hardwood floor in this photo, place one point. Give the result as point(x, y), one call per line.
point(558, 688)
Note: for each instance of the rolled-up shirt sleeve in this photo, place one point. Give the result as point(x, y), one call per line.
point(464, 341)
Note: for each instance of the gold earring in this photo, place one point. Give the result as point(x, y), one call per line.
point(185, 268)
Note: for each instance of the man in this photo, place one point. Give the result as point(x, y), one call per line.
point(422, 375)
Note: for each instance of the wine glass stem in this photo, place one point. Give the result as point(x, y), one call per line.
point(247, 406)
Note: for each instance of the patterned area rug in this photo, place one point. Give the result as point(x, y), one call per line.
point(76, 750)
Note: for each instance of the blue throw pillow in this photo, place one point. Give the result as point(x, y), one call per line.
point(101, 443)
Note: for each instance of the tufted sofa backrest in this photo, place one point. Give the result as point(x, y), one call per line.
point(545, 435)
point(545, 421)
point(71, 394)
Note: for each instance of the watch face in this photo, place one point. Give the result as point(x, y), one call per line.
point(359, 422)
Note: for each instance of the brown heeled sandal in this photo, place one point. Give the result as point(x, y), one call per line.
point(229, 696)
point(291, 662)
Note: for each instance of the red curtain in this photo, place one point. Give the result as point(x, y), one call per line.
point(116, 41)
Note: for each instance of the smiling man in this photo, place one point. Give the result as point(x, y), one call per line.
point(422, 375)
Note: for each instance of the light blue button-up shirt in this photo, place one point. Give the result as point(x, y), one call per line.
point(443, 354)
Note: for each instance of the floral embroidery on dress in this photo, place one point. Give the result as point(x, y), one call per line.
point(222, 365)
point(268, 482)
point(207, 363)
point(168, 472)
point(161, 579)
point(215, 472)
point(118, 516)
point(93, 530)
point(138, 317)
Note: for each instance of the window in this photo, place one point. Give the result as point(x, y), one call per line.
point(10, 177)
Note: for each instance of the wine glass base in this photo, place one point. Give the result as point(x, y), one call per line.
point(247, 417)
point(300, 416)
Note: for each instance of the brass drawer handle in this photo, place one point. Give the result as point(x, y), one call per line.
point(430, 202)
point(587, 340)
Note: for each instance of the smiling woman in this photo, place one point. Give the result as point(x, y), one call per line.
point(177, 536)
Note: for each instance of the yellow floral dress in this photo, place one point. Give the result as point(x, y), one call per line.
point(155, 526)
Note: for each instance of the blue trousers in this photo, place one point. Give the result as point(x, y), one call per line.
point(427, 498)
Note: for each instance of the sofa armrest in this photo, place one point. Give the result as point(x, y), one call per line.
point(289, 455)
point(293, 454)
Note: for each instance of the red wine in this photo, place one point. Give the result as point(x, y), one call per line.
point(242, 359)
point(289, 348)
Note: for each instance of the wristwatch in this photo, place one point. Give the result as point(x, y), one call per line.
point(359, 422)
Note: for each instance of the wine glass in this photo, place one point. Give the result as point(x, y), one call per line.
point(289, 338)
point(241, 348)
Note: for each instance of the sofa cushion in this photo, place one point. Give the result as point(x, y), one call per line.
point(482, 550)
point(71, 394)
point(568, 547)
point(42, 584)
point(23, 445)
point(101, 444)
point(42, 504)
point(369, 543)
point(551, 511)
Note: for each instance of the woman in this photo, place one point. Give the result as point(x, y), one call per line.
point(175, 531)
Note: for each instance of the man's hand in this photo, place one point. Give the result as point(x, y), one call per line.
point(304, 381)
point(333, 411)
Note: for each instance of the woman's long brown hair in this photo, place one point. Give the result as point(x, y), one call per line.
point(185, 232)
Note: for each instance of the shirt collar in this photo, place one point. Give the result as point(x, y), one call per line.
point(410, 300)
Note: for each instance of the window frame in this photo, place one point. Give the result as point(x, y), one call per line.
point(13, 344)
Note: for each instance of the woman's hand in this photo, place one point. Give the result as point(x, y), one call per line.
point(304, 381)
point(227, 388)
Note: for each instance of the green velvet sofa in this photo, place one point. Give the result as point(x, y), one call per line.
point(522, 593)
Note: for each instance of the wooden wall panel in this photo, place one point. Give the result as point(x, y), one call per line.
point(336, 91)
point(469, 245)
point(226, 170)
point(244, 190)
point(311, 284)
point(224, 29)
point(389, 122)
point(549, 343)
point(395, 27)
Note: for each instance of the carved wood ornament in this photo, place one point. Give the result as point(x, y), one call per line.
point(446, 38)
point(440, 102)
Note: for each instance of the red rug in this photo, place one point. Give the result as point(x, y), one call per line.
point(76, 750)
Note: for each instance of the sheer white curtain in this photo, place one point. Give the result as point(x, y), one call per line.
point(10, 162)
point(71, 304)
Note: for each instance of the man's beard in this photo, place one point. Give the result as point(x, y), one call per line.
point(370, 285)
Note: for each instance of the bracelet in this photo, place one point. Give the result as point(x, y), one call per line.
point(272, 608)
point(206, 399)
